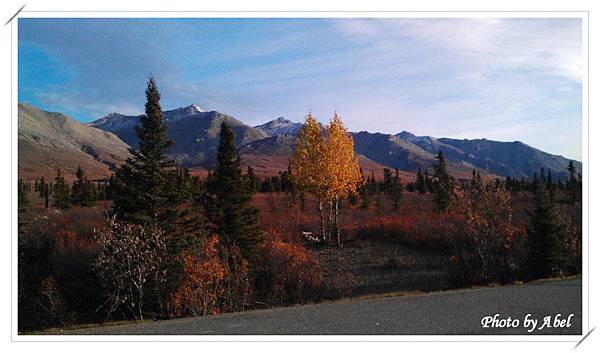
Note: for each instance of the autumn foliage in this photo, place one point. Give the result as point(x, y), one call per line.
point(343, 173)
point(294, 274)
point(202, 283)
point(484, 244)
point(57, 282)
point(326, 166)
point(208, 284)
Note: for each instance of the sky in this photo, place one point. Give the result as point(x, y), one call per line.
point(500, 79)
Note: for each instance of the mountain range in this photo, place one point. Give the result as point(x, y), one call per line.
point(48, 140)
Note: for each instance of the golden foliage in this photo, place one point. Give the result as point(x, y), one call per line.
point(308, 162)
point(202, 283)
point(484, 244)
point(342, 169)
point(326, 166)
point(213, 280)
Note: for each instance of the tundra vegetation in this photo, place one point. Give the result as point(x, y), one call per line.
point(156, 241)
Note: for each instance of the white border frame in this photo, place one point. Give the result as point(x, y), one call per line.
point(583, 15)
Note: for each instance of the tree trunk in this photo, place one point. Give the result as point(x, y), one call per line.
point(141, 298)
point(337, 222)
point(330, 222)
point(322, 219)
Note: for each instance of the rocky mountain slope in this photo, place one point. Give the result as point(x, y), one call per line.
point(280, 126)
point(52, 140)
point(196, 132)
point(514, 159)
point(268, 147)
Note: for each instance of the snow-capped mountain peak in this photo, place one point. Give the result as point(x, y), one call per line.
point(114, 121)
point(280, 126)
point(182, 112)
point(196, 108)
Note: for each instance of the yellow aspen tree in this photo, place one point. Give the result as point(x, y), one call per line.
point(308, 165)
point(343, 174)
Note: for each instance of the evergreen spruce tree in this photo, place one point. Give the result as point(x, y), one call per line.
point(545, 238)
point(476, 180)
point(379, 206)
point(444, 184)
point(109, 188)
point(573, 188)
point(290, 186)
point(364, 197)
point(144, 187)
point(46, 195)
point(550, 185)
point(190, 225)
point(227, 201)
point(420, 183)
point(252, 180)
point(397, 189)
point(61, 196)
point(387, 181)
point(42, 186)
point(429, 182)
point(23, 208)
point(353, 198)
point(82, 193)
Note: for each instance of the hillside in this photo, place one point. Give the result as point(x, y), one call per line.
point(52, 140)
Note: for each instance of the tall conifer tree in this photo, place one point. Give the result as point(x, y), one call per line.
point(23, 208)
point(573, 186)
point(228, 198)
point(444, 184)
point(545, 237)
point(144, 188)
point(83, 192)
point(61, 192)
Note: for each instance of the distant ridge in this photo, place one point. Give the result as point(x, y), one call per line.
point(270, 145)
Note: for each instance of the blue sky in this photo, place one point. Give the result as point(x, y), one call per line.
point(502, 79)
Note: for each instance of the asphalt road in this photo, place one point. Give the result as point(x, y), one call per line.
point(451, 312)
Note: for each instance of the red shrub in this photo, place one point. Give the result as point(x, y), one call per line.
point(203, 282)
point(420, 232)
point(484, 244)
point(212, 281)
point(293, 274)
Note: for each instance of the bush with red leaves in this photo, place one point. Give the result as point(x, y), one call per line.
point(291, 275)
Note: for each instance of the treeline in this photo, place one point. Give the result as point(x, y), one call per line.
point(473, 225)
point(60, 194)
point(425, 183)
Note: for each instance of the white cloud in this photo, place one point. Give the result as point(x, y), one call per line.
point(549, 45)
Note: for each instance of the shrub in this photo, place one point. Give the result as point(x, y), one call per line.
point(484, 244)
point(131, 264)
point(56, 258)
point(420, 232)
point(202, 283)
point(291, 275)
point(213, 280)
point(50, 300)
